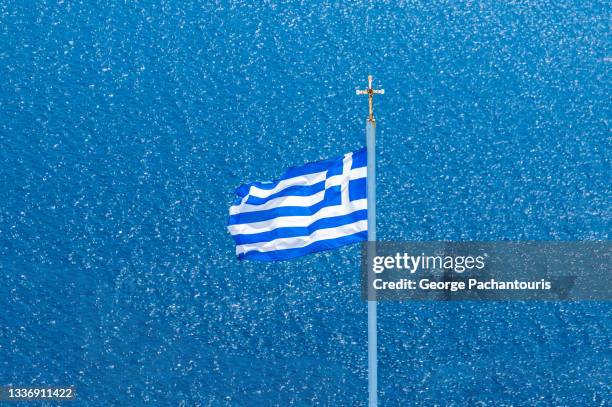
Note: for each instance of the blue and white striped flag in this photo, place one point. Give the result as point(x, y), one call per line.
point(315, 207)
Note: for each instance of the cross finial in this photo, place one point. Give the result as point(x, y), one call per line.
point(371, 92)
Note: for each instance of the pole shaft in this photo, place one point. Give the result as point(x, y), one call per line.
point(372, 330)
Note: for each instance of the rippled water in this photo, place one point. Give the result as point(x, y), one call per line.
point(126, 126)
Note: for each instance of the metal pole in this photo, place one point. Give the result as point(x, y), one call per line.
point(371, 249)
point(372, 330)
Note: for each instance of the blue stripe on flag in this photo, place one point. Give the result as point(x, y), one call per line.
point(332, 197)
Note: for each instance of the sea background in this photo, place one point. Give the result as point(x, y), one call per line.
point(125, 127)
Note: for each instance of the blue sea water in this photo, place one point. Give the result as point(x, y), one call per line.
point(125, 127)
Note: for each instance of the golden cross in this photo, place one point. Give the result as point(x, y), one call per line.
point(371, 92)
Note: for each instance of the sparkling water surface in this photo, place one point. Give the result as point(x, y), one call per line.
point(125, 127)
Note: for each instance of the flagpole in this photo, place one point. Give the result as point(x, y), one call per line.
point(371, 177)
point(372, 328)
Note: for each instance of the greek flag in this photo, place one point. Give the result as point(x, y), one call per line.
point(317, 206)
